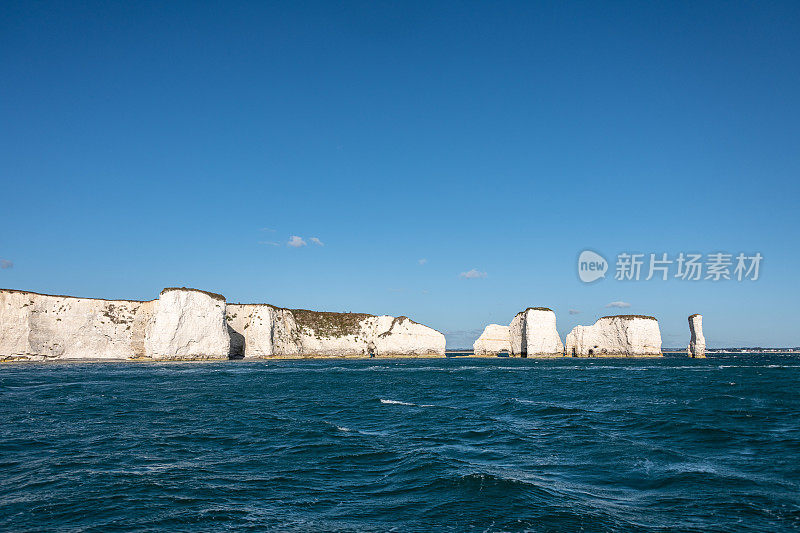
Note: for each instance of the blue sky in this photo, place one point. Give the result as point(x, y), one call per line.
point(151, 145)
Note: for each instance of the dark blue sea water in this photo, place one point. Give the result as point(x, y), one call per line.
point(403, 445)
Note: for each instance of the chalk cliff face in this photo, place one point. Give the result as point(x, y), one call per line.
point(187, 324)
point(261, 330)
point(494, 339)
point(403, 336)
point(192, 324)
point(182, 323)
point(533, 334)
point(697, 343)
point(253, 324)
point(37, 326)
point(616, 336)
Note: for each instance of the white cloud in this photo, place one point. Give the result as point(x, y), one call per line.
point(296, 242)
point(267, 229)
point(316, 241)
point(472, 274)
point(422, 261)
point(618, 304)
point(5, 263)
point(269, 243)
point(574, 311)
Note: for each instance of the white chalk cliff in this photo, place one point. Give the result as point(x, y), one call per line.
point(262, 330)
point(192, 324)
point(616, 336)
point(187, 324)
point(697, 342)
point(180, 324)
point(533, 334)
point(494, 339)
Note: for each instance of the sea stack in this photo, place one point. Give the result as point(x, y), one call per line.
point(533, 334)
point(616, 336)
point(697, 343)
point(495, 339)
point(263, 331)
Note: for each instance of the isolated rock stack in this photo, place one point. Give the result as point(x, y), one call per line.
point(697, 343)
point(533, 333)
point(495, 339)
point(616, 336)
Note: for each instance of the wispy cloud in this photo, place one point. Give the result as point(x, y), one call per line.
point(422, 261)
point(472, 274)
point(618, 304)
point(574, 311)
point(296, 242)
point(316, 241)
point(5, 263)
point(269, 243)
point(271, 230)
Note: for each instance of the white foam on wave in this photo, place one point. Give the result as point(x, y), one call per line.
point(519, 400)
point(352, 431)
point(397, 402)
point(758, 366)
point(409, 404)
point(340, 428)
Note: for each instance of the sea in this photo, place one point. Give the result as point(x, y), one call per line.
point(453, 444)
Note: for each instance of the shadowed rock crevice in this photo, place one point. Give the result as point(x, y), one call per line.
point(236, 344)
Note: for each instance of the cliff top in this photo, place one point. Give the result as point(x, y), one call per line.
point(694, 315)
point(646, 317)
point(74, 297)
point(211, 294)
point(535, 309)
point(214, 295)
point(333, 324)
point(329, 324)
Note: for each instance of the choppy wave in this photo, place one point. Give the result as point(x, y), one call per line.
point(403, 445)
